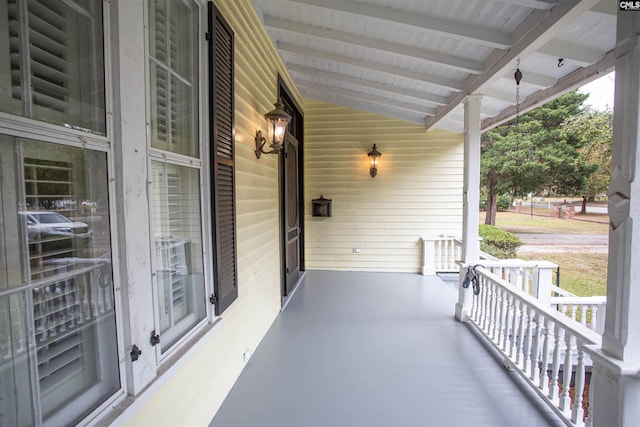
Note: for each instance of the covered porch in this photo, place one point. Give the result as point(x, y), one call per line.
point(372, 342)
point(377, 349)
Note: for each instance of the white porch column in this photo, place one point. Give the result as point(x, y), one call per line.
point(471, 199)
point(615, 384)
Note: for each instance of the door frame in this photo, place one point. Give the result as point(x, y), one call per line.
point(298, 132)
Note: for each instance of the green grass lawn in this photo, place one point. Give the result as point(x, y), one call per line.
point(583, 273)
point(521, 223)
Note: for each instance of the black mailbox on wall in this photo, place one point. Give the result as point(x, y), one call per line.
point(321, 207)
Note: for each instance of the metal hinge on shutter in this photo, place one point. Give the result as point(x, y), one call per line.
point(155, 338)
point(135, 353)
point(207, 36)
point(213, 299)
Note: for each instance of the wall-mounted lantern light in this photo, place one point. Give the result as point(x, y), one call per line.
point(374, 155)
point(277, 121)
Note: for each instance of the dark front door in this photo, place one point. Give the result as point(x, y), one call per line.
point(292, 212)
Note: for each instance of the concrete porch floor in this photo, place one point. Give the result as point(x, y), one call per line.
point(376, 349)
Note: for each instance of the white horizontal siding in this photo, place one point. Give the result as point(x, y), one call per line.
point(417, 192)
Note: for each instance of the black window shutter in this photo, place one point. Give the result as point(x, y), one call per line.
point(222, 158)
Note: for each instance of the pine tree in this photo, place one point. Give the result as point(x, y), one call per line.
point(533, 152)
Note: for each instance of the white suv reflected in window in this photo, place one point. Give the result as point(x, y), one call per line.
point(41, 224)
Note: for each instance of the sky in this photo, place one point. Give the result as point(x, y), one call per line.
point(600, 92)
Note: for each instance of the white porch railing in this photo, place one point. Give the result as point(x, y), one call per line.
point(537, 341)
point(532, 277)
point(440, 255)
point(443, 254)
point(588, 311)
point(536, 279)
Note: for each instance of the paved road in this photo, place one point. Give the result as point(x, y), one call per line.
point(595, 243)
point(590, 209)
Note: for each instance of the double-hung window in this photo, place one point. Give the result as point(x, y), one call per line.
point(175, 172)
point(58, 346)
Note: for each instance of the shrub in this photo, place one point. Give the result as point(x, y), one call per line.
point(499, 243)
point(504, 202)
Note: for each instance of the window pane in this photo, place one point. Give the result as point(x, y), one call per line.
point(178, 250)
point(59, 204)
point(173, 71)
point(15, 378)
point(63, 48)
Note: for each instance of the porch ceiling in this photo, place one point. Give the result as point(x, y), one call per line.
point(418, 59)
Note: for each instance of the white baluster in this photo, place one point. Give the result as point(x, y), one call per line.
point(555, 367)
point(537, 337)
point(543, 382)
point(484, 296)
point(475, 307)
point(493, 311)
point(528, 339)
point(446, 251)
point(562, 308)
point(522, 326)
point(513, 277)
point(565, 400)
point(503, 319)
point(526, 281)
point(577, 413)
point(513, 350)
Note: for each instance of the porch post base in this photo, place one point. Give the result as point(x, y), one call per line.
point(463, 314)
point(465, 297)
point(428, 271)
point(428, 256)
point(619, 381)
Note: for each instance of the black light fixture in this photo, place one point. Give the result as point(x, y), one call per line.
point(277, 121)
point(374, 155)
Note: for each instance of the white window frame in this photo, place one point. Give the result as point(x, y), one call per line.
point(202, 163)
point(23, 127)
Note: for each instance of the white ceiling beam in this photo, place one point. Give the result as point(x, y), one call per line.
point(579, 55)
point(528, 78)
point(534, 79)
point(457, 30)
point(568, 83)
point(500, 96)
point(395, 49)
point(537, 30)
point(375, 66)
point(531, 4)
point(606, 7)
point(359, 104)
point(399, 105)
point(490, 112)
point(366, 84)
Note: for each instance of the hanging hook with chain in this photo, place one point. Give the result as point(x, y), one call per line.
point(518, 77)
